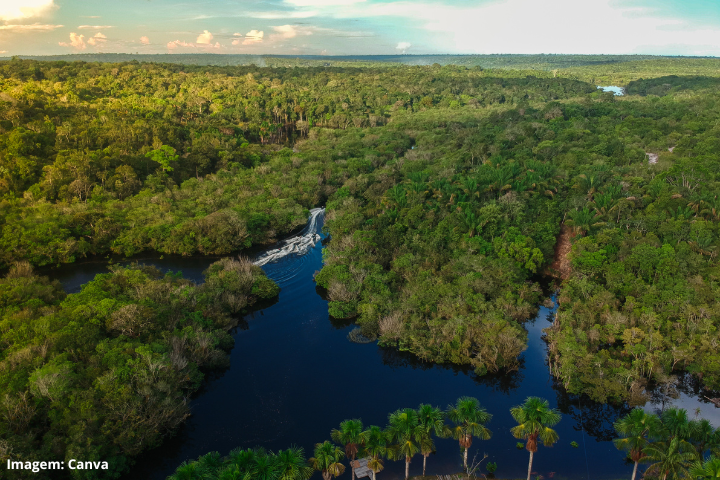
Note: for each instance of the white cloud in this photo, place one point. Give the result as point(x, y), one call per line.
point(94, 27)
point(252, 37)
point(237, 35)
point(529, 26)
point(144, 40)
point(323, 3)
point(282, 14)
point(287, 31)
point(23, 9)
point(204, 38)
point(97, 39)
point(27, 28)
point(402, 46)
point(550, 26)
point(178, 43)
point(76, 41)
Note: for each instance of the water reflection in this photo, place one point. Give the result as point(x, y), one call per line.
point(502, 382)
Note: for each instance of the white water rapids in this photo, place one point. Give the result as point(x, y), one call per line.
point(298, 245)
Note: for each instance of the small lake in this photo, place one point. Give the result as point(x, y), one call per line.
point(294, 376)
point(616, 90)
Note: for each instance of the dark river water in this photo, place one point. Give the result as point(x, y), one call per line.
point(294, 376)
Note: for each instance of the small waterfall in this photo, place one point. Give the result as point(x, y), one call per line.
point(298, 245)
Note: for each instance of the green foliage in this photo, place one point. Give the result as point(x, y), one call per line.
point(254, 463)
point(104, 374)
point(163, 155)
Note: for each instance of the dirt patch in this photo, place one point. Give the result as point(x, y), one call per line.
point(561, 268)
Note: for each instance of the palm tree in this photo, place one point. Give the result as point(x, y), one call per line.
point(432, 420)
point(188, 470)
point(233, 472)
point(671, 458)
point(676, 423)
point(707, 470)
point(291, 464)
point(243, 459)
point(375, 445)
point(327, 460)
point(534, 418)
point(634, 430)
point(405, 431)
point(469, 419)
point(210, 462)
point(349, 435)
point(702, 436)
point(265, 467)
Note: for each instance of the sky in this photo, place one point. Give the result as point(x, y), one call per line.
point(360, 27)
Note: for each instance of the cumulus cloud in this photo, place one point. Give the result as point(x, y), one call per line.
point(24, 9)
point(402, 46)
point(252, 37)
point(28, 28)
point(97, 39)
point(144, 40)
point(284, 32)
point(204, 38)
point(76, 41)
point(178, 43)
point(94, 27)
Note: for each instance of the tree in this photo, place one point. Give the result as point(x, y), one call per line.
point(188, 471)
point(349, 435)
point(291, 464)
point(671, 459)
point(163, 155)
point(707, 470)
point(405, 432)
point(634, 430)
point(327, 460)
point(375, 445)
point(703, 436)
point(534, 418)
point(432, 420)
point(469, 418)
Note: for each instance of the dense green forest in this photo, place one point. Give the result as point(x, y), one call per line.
point(104, 374)
point(446, 188)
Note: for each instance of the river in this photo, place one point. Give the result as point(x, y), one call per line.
point(294, 376)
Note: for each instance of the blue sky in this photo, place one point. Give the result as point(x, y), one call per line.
point(346, 27)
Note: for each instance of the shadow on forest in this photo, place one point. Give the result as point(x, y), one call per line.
point(662, 86)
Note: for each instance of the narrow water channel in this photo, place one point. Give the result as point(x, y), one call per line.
point(294, 376)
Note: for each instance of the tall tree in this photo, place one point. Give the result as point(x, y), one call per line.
point(327, 460)
point(349, 435)
point(671, 459)
point(634, 430)
point(469, 418)
point(534, 418)
point(432, 421)
point(291, 464)
point(405, 432)
point(375, 446)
